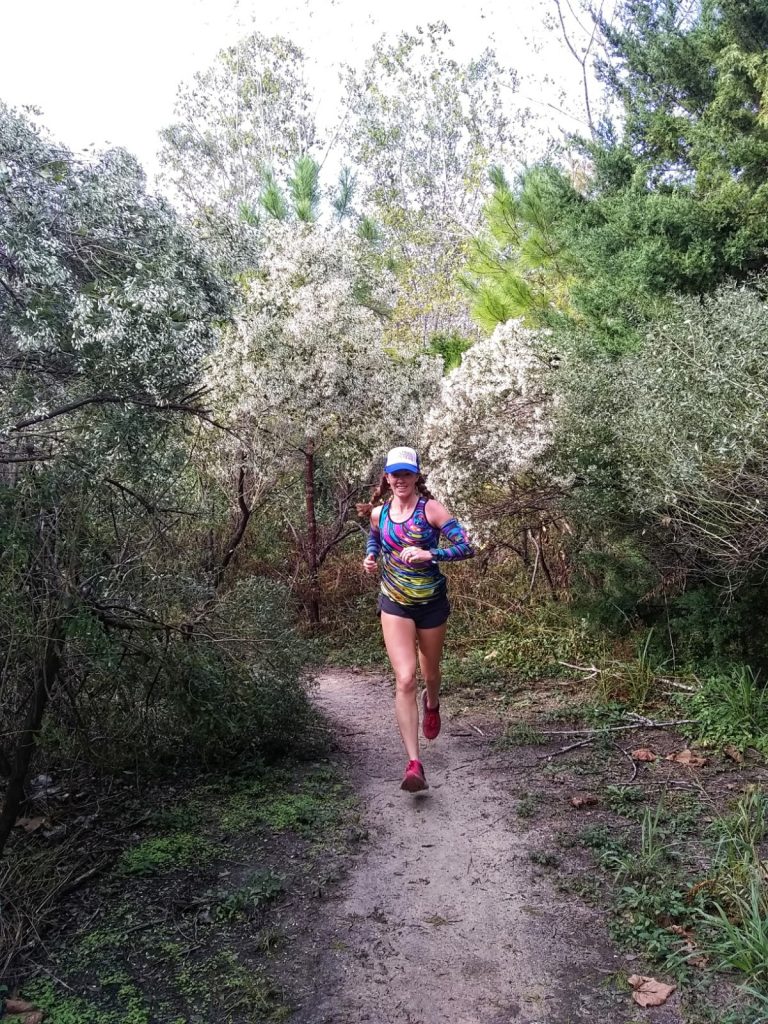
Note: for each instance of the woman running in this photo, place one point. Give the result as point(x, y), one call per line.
point(406, 524)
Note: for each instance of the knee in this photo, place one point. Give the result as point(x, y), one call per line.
point(406, 682)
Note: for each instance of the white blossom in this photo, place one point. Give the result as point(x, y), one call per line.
point(305, 360)
point(491, 421)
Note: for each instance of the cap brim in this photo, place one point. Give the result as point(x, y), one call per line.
point(401, 465)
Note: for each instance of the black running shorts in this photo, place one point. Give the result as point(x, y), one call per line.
point(429, 615)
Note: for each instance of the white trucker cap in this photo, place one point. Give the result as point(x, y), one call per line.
point(402, 458)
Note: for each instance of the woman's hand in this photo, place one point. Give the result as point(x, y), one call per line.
point(415, 556)
point(369, 564)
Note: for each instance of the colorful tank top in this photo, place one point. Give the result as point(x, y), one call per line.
point(401, 582)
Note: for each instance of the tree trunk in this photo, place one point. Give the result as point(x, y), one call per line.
point(309, 491)
point(46, 680)
point(240, 528)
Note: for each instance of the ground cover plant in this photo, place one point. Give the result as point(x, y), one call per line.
point(181, 924)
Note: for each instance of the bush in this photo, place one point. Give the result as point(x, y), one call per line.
point(731, 709)
point(235, 687)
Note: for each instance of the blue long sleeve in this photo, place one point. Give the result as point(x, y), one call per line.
point(373, 547)
point(459, 546)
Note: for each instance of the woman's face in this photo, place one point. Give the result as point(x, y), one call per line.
point(402, 482)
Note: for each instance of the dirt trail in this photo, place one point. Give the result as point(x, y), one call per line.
point(443, 918)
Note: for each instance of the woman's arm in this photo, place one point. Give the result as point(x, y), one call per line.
point(373, 546)
point(458, 546)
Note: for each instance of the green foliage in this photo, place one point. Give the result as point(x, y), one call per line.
point(246, 116)
point(742, 831)
point(423, 127)
point(450, 348)
point(520, 267)
point(541, 639)
point(624, 799)
point(544, 858)
point(630, 259)
point(69, 1009)
point(519, 734)
point(313, 809)
point(527, 805)
point(739, 936)
point(162, 854)
point(262, 888)
point(644, 913)
point(731, 709)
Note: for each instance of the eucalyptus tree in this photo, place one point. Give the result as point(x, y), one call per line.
point(423, 127)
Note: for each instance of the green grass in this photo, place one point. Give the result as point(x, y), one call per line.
point(527, 805)
point(519, 734)
point(162, 854)
point(730, 710)
point(738, 936)
point(624, 800)
point(311, 808)
point(59, 1008)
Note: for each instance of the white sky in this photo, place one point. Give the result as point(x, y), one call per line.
point(106, 72)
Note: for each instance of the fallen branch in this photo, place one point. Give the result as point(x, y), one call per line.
point(564, 750)
point(643, 723)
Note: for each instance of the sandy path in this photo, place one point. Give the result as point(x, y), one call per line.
point(443, 919)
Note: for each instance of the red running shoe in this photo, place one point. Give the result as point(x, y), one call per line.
point(430, 720)
point(414, 780)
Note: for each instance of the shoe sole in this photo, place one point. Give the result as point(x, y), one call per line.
point(414, 784)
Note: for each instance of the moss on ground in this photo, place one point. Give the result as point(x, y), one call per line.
point(186, 930)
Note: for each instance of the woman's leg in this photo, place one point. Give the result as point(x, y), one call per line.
point(400, 641)
point(430, 643)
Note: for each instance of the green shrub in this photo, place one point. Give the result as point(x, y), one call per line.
point(236, 687)
point(731, 709)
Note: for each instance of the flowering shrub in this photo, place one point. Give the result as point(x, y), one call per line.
point(491, 424)
point(305, 359)
point(671, 439)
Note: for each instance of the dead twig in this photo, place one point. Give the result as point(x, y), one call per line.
point(631, 760)
point(642, 723)
point(564, 750)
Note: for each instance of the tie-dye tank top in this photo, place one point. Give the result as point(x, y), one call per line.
point(401, 582)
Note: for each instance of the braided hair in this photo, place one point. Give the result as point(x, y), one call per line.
point(382, 492)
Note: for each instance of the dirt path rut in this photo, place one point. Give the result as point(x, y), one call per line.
point(442, 918)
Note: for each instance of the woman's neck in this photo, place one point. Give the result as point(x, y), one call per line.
point(403, 506)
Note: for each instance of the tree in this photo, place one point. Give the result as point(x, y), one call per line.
point(521, 266)
point(647, 268)
point(487, 435)
point(674, 198)
point(239, 125)
point(313, 387)
point(423, 128)
point(108, 309)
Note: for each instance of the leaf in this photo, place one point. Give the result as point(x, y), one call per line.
point(734, 753)
point(30, 824)
point(643, 754)
point(649, 991)
point(583, 800)
point(687, 757)
point(18, 1006)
